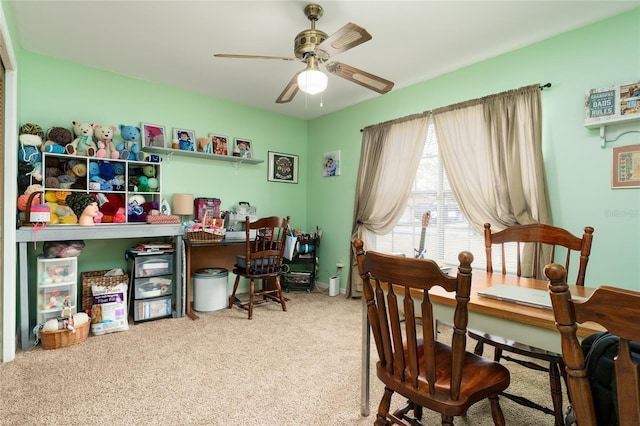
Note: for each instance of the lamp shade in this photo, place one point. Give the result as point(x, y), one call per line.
point(312, 81)
point(182, 204)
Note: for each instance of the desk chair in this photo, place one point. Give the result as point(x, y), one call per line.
point(263, 261)
point(430, 374)
point(538, 234)
point(618, 311)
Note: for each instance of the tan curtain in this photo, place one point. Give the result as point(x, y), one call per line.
point(389, 159)
point(491, 149)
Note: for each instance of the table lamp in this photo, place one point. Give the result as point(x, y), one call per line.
point(182, 205)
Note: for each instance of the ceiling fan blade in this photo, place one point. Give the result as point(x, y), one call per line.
point(347, 37)
point(363, 78)
point(234, 55)
point(290, 90)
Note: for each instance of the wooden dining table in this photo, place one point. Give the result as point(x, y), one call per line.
point(525, 324)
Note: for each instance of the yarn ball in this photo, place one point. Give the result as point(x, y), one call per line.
point(149, 171)
point(118, 168)
point(61, 197)
point(106, 171)
point(31, 129)
point(153, 184)
point(60, 135)
point(80, 170)
point(24, 199)
point(50, 197)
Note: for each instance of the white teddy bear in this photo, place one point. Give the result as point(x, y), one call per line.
point(104, 141)
point(83, 145)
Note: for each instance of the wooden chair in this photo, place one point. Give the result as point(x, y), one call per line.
point(552, 237)
point(618, 311)
point(431, 374)
point(262, 261)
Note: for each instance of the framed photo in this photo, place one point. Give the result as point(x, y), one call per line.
point(626, 167)
point(283, 167)
point(183, 139)
point(153, 135)
point(219, 144)
point(242, 148)
point(612, 104)
point(331, 163)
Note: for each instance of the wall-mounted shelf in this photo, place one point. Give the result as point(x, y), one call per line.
point(621, 127)
point(181, 153)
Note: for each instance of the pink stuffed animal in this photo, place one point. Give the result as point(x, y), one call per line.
point(104, 141)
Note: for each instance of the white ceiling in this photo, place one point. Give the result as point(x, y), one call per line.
point(173, 42)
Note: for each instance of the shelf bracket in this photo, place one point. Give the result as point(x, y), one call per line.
point(619, 132)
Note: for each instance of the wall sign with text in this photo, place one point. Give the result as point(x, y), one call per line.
point(612, 104)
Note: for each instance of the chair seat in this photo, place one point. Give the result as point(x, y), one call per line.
point(480, 378)
point(257, 266)
point(515, 347)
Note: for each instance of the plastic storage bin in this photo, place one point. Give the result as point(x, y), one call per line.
point(210, 292)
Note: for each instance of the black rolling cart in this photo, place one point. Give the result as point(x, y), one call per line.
point(299, 273)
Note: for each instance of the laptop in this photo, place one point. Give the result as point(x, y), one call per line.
point(520, 295)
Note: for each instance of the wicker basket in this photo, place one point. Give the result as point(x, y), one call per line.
point(63, 338)
point(92, 278)
point(205, 236)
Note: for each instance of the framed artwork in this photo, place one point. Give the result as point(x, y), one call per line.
point(626, 167)
point(153, 135)
point(183, 139)
point(242, 148)
point(612, 104)
point(282, 167)
point(331, 163)
point(219, 144)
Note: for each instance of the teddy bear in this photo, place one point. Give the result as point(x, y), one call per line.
point(57, 140)
point(103, 136)
point(83, 145)
point(129, 148)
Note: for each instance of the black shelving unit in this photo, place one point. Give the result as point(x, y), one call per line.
point(300, 272)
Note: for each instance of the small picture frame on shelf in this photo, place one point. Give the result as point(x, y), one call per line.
point(283, 167)
point(219, 144)
point(153, 135)
point(183, 139)
point(242, 148)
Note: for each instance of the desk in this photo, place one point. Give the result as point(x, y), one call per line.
point(206, 255)
point(25, 235)
point(532, 326)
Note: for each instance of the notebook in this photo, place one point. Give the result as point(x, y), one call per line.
point(520, 295)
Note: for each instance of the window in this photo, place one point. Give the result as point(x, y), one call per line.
point(448, 232)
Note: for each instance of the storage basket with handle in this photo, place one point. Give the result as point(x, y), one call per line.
point(203, 233)
point(62, 338)
point(91, 278)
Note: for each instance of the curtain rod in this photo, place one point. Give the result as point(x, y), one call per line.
point(542, 87)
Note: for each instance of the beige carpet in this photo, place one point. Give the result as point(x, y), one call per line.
point(300, 367)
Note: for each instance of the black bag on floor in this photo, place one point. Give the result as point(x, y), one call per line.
point(599, 350)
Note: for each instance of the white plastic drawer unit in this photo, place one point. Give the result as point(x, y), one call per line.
point(146, 288)
point(153, 266)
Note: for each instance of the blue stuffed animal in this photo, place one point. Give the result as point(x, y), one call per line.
point(129, 148)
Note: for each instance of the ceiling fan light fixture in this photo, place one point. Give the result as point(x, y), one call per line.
point(312, 81)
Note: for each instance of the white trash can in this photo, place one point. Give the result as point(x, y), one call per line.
point(210, 292)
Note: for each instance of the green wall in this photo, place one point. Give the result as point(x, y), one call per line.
point(578, 169)
point(54, 92)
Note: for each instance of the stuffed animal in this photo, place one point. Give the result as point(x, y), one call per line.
point(57, 140)
point(83, 145)
point(103, 136)
point(129, 148)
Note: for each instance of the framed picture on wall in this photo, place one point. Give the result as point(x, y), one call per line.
point(153, 135)
point(183, 139)
point(242, 148)
point(331, 163)
point(219, 144)
point(626, 167)
point(282, 167)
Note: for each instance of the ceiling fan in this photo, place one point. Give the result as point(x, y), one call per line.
point(315, 48)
